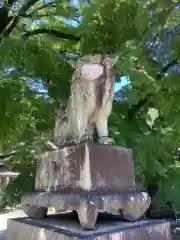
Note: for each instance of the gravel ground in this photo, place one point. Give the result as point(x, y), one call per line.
point(5, 217)
point(13, 214)
point(2, 235)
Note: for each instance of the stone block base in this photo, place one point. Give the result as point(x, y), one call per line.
point(58, 227)
point(130, 205)
point(87, 166)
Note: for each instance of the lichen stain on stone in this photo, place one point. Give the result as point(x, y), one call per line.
point(85, 172)
point(65, 164)
point(160, 229)
point(100, 182)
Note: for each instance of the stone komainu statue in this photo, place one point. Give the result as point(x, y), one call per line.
point(90, 102)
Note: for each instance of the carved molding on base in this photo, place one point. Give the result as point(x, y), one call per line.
point(131, 205)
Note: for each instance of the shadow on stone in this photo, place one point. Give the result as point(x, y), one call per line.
point(2, 234)
point(67, 226)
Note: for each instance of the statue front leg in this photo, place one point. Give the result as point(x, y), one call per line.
point(102, 130)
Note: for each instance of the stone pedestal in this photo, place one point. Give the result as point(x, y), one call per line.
point(89, 179)
point(86, 167)
point(62, 228)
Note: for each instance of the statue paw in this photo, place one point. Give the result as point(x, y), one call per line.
point(106, 140)
point(85, 138)
point(109, 141)
point(51, 145)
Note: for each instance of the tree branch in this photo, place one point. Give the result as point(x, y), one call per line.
point(34, 12)
point(3, 157)
point(52, 32)
point(12, 24)
point(168, 66)
point(35, 16)
point(135, 108)
point(52, 4)
point(5, 19)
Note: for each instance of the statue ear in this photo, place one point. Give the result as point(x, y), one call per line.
point(91, 71)
point(111, 61)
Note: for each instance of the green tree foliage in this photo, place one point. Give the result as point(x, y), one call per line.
point(36, 43)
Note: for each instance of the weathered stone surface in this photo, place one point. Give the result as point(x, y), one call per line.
point(35, 211)
point(58, 228)
point(86, 166)
point(131, 205)
point(87, 178)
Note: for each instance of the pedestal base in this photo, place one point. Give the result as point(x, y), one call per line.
point(62, 228)
point(130, 205)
